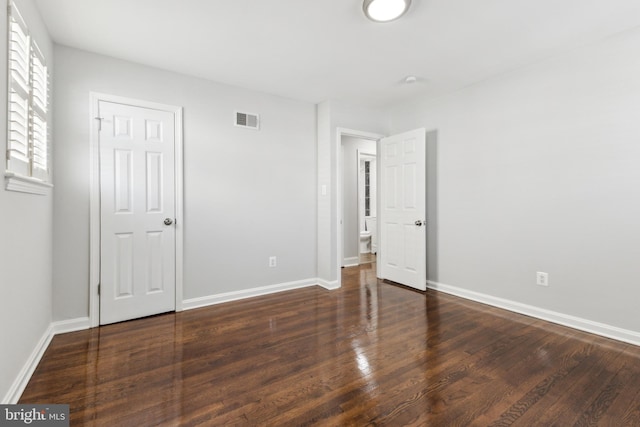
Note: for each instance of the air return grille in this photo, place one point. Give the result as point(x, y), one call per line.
point(247, 120)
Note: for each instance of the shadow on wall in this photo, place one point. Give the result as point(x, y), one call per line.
point(432, 205)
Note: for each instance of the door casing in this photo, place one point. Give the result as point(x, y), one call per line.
point(94, 195)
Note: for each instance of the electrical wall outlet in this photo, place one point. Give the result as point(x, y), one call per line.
point(542, 278)
point(272, 261)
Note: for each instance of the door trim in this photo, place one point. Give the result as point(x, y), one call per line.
point(94, 196)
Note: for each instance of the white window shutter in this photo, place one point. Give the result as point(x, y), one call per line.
point(39, 100)
point(18, 154)
point(19, 51)
point(38, 79)
point(18, 126)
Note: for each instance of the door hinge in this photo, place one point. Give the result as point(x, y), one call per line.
point(98, 288)
point(99, 119)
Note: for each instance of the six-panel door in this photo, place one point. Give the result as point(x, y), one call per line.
point(403, 251)
point(136, 196)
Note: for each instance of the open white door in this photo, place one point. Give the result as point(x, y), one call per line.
point(137, 195)
point(402, 216)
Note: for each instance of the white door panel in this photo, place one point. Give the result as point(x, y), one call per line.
point(403, 201)
point(136, 194)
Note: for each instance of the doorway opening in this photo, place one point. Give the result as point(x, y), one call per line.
point(357, 197)
point(426, 220)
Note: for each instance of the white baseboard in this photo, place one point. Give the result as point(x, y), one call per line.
point(625, 335)
point(82, 323)
point(71, 325)
point(351, 261)
point(21, 381)
point(192, 303)
point(328, 285)
point(55, 328)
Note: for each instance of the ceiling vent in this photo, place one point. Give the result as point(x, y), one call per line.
point(247, 120)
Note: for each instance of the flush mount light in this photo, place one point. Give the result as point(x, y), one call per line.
point(385, 10)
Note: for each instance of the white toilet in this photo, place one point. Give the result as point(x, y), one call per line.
point(368, 240)
point(372, 227)
point(365, 242)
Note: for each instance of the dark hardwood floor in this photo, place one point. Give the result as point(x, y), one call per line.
point(370, 353)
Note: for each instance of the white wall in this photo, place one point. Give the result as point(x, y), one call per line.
point(248, 194)
point(350, 224)
point(539, 170)
point(25, 245)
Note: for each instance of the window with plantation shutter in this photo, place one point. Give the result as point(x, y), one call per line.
point(28, 136)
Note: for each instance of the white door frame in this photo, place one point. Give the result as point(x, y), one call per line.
point(339, 236)
point(94, 196)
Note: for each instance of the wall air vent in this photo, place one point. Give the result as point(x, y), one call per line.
point(247, 120)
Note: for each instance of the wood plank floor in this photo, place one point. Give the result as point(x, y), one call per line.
point(370, 353)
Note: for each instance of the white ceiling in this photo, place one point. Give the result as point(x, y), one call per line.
point(326, 49)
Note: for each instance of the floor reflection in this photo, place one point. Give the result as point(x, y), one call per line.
point(216, 363)
point(368, 353)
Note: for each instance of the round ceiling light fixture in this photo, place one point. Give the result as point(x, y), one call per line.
point(385, 10)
